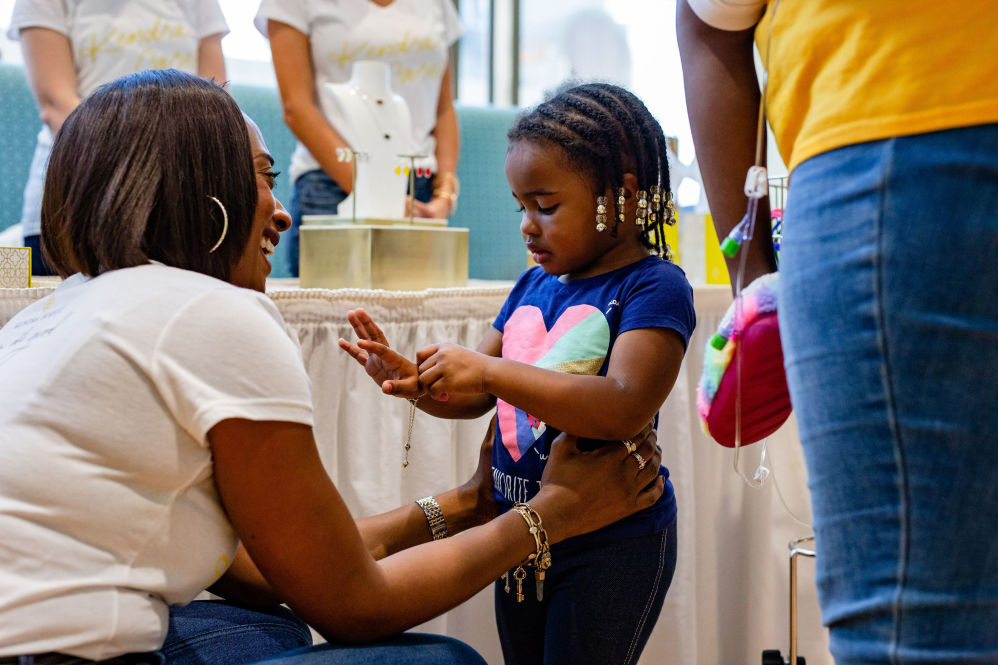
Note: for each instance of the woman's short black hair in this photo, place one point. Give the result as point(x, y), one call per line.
point(132, 171)
point(605, 131)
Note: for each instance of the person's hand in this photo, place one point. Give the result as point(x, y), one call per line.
point(584, 491)
point(398, 375)
point(438, 207)
point(449, 368)
point(367, 330)
point(478, 488)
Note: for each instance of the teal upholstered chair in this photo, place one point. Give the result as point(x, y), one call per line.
point(486, 207)
point(19, 125)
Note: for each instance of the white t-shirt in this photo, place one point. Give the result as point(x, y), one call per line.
point(729, 14)
point(412, 36)
point(112, 38)
point(108, 508)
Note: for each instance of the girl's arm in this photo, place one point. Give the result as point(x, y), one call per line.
point(211, 62)
point(302, 538)
point(398, 376)
point(448, 145)
point(296, 82)
point(642, 369)
point(48, 61)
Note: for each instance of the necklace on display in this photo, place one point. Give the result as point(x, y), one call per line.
point(374, 104)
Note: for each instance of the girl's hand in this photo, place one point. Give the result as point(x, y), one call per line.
point(449, 368)
point(398, 375)
point(366, 330)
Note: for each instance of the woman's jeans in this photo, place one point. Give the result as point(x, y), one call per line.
point(39, 266)
point(315, 193)
point(599, 608)
point(213, 633)
point(220, 633)
point(889, 318)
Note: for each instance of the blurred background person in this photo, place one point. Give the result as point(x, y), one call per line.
point(71, 47)
point(317, 41)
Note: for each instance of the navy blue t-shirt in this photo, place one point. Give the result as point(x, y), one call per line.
point(571, 327)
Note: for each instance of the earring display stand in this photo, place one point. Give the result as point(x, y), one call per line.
point(376, 246)
point(380, 256)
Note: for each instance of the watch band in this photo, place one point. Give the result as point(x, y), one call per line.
point(434, 517)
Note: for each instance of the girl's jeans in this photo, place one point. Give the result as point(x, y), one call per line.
point(599, 608)
point(315, 193)
point(889, 318)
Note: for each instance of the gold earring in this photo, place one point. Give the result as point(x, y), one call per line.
point(225, 224)
point(641, 213)
point(601, 213)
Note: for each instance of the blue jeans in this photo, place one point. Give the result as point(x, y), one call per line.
point(219, 633)
point(39, 266)
point(222, 633)
point(889, 319)
point(404, 649)
point(315, 193)
point(600, 604)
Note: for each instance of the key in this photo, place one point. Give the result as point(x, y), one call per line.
point(519, 576)
point(505, 578)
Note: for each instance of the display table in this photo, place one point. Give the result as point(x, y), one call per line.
point(728, 600)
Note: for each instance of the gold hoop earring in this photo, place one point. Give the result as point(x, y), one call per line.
point(225, 224)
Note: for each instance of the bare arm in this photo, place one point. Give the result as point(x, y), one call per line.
point(399, 376)
point(722, 97)
point(463, 507)
point(302, 114)
point(211, 62)
point(48, 61)
point(448, 146)
point(299, 532)
point(642, 369)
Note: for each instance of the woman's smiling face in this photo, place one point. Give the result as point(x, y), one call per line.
point(270, 220)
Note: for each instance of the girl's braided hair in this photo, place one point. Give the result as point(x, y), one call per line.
point(606, 131)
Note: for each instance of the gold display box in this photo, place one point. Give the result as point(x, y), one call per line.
point(394, 257)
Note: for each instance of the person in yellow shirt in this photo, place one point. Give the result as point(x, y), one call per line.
point(887, 116)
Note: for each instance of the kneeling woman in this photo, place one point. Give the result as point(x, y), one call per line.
point(156, 413)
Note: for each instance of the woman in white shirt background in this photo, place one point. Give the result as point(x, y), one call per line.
point(71, 47)
point(314, 42)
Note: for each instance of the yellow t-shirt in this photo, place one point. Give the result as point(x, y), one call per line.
point(844, 72)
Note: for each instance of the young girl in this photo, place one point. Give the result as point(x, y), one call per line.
point(589, 341)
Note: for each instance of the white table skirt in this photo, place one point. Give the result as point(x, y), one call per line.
point(728, 599)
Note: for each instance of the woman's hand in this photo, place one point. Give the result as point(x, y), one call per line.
point(449, 368)
point(584, 491)
point(478, 489)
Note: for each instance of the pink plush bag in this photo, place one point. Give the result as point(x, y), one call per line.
point(765, 400)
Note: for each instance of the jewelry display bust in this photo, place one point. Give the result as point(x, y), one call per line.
point(376, 123)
